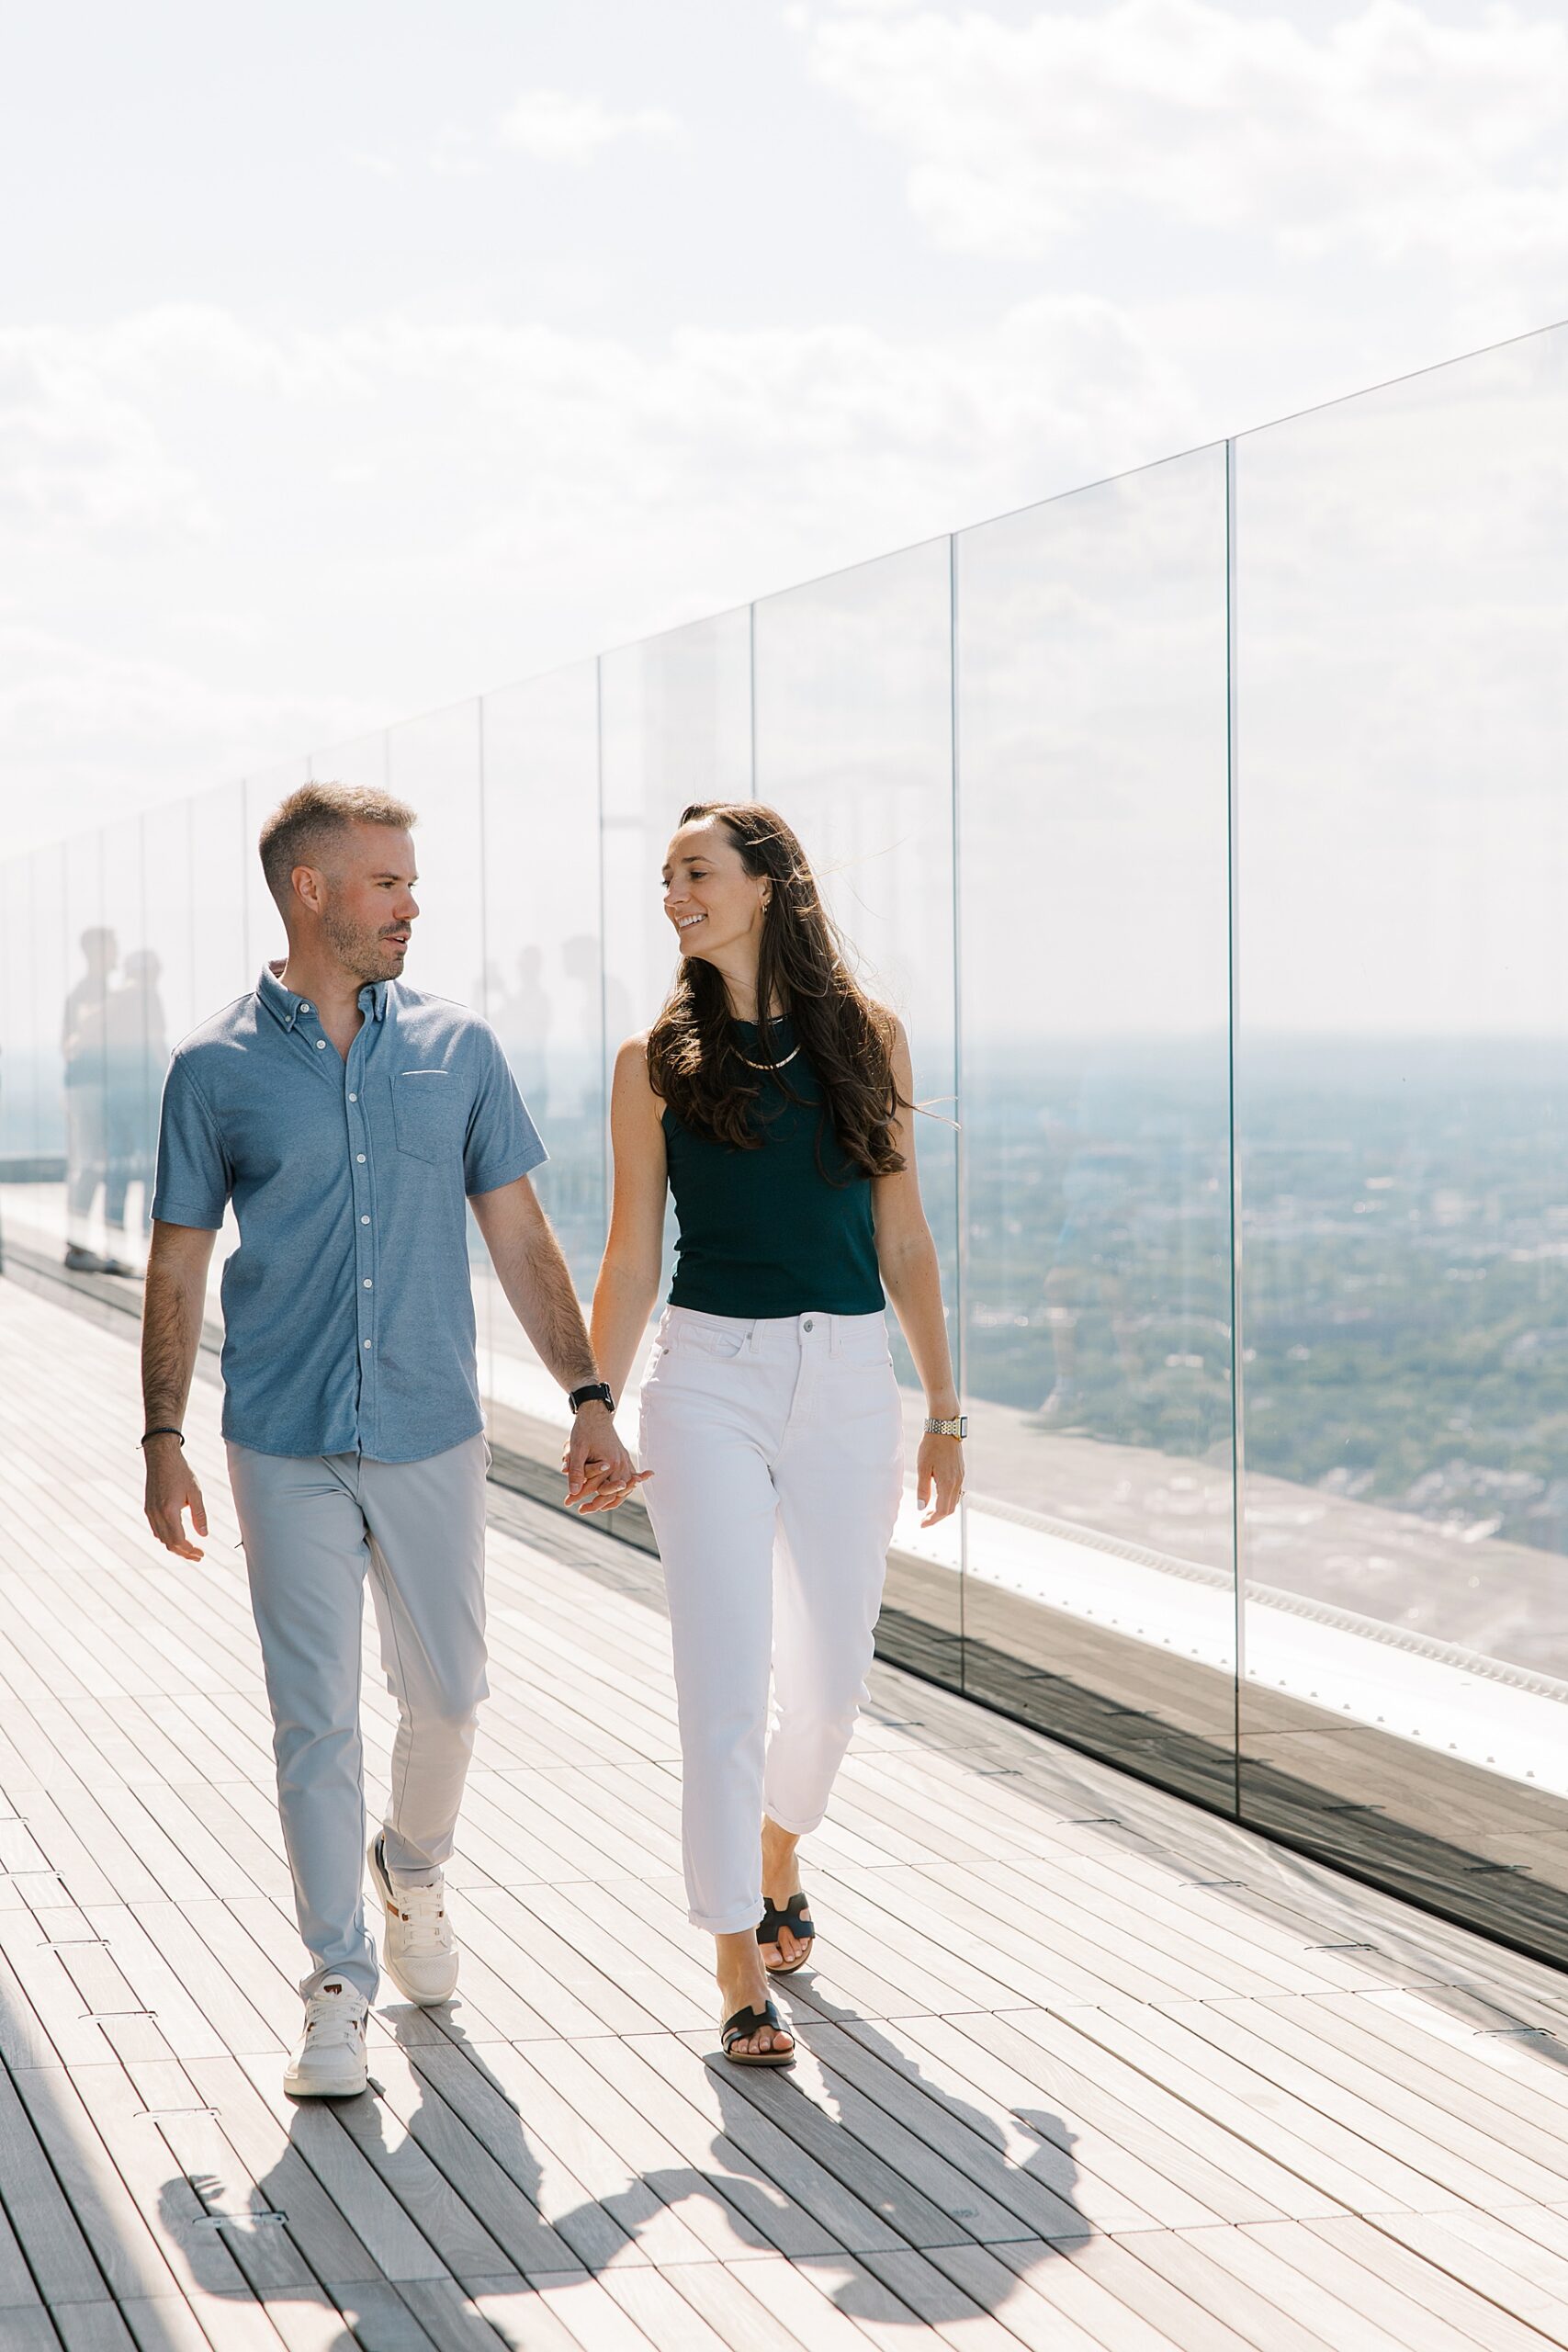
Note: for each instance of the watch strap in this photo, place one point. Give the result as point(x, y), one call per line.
point(578, 1397)
point(956, 1425)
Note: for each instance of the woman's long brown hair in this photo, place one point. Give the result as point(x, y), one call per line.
point(693, 1061)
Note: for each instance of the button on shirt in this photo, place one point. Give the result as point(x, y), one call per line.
point(347, 1308)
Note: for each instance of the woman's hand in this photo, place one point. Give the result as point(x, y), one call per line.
point(939, 1473)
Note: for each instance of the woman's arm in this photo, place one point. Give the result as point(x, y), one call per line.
point(912, 1279)
point(629, 1275)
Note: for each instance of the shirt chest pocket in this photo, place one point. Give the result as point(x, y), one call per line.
point(428, 1113)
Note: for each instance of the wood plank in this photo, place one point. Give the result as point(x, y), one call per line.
point(885, 2168)
point(1244, 2184)
point(1253, 2108)
point(1504, 2168)
point(578, 2186)
point(1328, 2265)
point(92, 2327)
point(373, 2212)
point(1097, 2134)
point(717, 2163)
point(1016, 2297)
point(779, 2157)
point(1376, 2255)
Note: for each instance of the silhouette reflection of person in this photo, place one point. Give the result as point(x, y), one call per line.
point(521, 1016)
point(83, 1044)
point(136, 1054)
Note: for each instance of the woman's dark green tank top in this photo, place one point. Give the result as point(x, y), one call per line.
point(773, 1232)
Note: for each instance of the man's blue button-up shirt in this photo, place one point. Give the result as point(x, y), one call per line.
point(348, 1312)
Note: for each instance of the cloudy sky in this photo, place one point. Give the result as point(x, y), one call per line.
point(354, 359)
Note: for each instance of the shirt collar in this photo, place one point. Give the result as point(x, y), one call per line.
point(285, 1007)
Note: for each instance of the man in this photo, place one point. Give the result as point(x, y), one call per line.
point(349, 1117)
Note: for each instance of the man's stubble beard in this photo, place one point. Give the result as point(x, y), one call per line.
point(365, 954)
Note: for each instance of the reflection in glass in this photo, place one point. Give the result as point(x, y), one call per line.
point(1092, 795)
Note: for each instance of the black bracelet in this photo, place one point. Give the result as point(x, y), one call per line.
point(179, 1433)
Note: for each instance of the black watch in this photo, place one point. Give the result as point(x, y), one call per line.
point(578, 1397)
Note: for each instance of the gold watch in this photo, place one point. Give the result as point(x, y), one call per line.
point(957, 1427)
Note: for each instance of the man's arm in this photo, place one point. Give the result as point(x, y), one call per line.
point(171, 1334)
point(532, 1271)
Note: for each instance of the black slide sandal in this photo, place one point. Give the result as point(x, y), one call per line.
point(774, 1919)
point(746, 2022)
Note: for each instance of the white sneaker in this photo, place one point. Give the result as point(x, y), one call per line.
point(420, 1953)
point(330, 2061)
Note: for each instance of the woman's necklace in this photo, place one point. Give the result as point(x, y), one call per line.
point(783, 1063)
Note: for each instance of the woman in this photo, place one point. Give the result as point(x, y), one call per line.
point(771, 1097)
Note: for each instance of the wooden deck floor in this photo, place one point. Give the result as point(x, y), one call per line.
point(1084, 2070)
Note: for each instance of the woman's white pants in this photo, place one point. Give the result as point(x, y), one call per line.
point(776, 1448)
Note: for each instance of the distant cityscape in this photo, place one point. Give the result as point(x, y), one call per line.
point(1404, 1257)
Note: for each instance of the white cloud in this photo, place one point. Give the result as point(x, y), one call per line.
point(456, 154)
point(1388, 132)
point(90, 733)
point(560, 129)
point(405, 509)
point(78, 453)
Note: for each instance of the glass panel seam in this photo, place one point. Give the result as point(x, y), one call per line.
point(1238, 1426)
point(606, 1177)
point(961, 1156)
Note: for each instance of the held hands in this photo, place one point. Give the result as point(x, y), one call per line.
point(600, 1472)
point(172, 1490)
point(939, 1477)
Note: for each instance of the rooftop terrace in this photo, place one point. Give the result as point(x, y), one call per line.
point(1084, 2068)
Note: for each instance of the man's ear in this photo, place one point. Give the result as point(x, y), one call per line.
point(306, 884)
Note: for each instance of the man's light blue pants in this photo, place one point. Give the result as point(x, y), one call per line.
point(313, 1526)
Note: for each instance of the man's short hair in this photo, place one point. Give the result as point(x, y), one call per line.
point(300, 828)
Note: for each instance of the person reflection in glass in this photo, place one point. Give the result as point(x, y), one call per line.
point(84, 1045)
point(136, 1051)
point(521, 1017)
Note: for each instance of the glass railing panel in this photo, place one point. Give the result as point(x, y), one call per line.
point(432, 764)
point(35, 1202)
point(1401, 600)
point(19, 1060)
point(130, 1014)
point(223, 856)
point(1099, 1593)
point(29, 1170)
point(675, 728)
point(543, 994)
point(854, 748)
point(93, 951)
point(264, 941)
